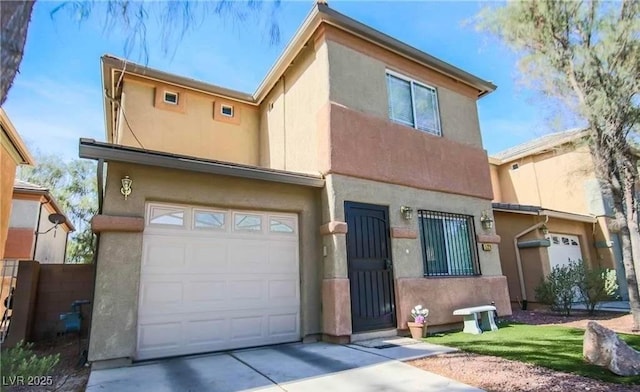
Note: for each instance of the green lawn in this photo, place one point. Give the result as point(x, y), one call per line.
point(557, 348)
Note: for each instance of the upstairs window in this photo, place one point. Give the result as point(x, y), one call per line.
point(413, 104)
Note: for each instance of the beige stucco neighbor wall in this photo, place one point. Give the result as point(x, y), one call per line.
point(557, 180)
point(193, 131)
point(288, 128)
point(113, 331)
point(358, 81)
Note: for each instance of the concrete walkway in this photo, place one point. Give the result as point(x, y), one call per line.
point(291, 367)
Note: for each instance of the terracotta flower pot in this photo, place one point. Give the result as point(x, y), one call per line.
point(418, 331)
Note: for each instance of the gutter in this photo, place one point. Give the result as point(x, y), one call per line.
point(107, 152)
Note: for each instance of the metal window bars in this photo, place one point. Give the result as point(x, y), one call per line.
point(448, 244)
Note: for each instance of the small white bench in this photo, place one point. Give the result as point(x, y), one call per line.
point(471, 318)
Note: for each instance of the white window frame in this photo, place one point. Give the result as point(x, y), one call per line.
point(164, 97)
point(202, 210)
point(222, 107)
point(436, 132)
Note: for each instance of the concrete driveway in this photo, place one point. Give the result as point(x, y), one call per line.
point(291, 367)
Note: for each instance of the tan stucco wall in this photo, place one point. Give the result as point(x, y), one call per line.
point(358, 81)
point(495, 182)
point(192, 132)
point(367, 146)
point(557, 180)
point(406, 253)
point(443, 295)
point(7, 176)
point(113, 333)
point(535, 261)
point(288, 128)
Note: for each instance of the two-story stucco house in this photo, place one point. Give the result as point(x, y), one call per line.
point(346, 190)
point(549, 209)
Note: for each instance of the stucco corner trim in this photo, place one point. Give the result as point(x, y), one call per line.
point(488, 238)
point(404, 232)
point(333, 227)
point(102, 223)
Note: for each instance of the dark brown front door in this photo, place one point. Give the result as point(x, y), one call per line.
point(370, 268)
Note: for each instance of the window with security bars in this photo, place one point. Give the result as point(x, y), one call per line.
point(448, 244)
point(413, 104)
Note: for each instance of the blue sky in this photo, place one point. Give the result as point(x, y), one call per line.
point(56, 98)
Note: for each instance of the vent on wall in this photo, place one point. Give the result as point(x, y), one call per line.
point(171, 97)
point(514, 166)
point(226, 110)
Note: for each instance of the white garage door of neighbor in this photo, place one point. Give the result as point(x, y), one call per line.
point(563, 248)
point(215, 279)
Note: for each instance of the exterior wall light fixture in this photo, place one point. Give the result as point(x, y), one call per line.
point(486, 220)
point(544, 229)
point(407, 212)
point(126, 186)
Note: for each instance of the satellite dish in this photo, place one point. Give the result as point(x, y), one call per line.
point(57, 219)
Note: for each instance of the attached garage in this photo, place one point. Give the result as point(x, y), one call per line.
point(216, 279)
point(563, 248)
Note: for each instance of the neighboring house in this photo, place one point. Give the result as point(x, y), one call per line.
point(551, 179)
point(346, 190)
point(32, 235)
point(13, 152)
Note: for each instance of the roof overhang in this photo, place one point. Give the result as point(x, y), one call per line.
point(108, 152)
point(539, 211)
point(10, 139)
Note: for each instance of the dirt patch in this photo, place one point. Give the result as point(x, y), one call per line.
point(68, 375)
point(619, 322)
point(503, 375)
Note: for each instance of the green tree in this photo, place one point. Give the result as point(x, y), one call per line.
point(73, 185)
point(133, 17)
point(587, 55)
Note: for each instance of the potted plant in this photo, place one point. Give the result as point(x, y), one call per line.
point(418, 326)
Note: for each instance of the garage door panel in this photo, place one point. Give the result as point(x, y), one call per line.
point(248, 257)
point(282, 256)
point(283, 290)
point(160, 293)
point(283, 324)
point(208, 290)
point(164, 254)
point(164, 335)
point(211, 255)
point(247, 327)
point(208, 331)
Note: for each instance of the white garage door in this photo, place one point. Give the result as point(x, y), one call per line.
point(563, 248)
point(217, 279)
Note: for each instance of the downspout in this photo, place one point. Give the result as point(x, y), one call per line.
point(523, 289)
point(35, 241)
